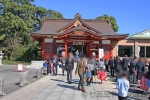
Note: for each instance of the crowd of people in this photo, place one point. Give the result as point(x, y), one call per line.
point(128, 70)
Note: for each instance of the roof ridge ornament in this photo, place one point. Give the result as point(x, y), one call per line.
point(77, 15)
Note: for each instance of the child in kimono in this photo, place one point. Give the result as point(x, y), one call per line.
point(144, 85)
point(102, 75)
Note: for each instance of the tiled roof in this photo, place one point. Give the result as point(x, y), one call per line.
point(53, 26)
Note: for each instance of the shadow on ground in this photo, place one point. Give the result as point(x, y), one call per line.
point(67, 86)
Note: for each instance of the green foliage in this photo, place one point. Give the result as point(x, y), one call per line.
point(111, 19)
point(17, 19)
point(10, 62)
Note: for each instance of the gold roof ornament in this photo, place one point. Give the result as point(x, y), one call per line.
point(104, 38)
point(62, 31)
point(54, 36)
point(79, 32)
point(77, 23)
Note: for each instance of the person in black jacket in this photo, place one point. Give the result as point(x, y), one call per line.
point(140, 67)
point(48, 66)
point(132, 76)
point(106, 65)
point(111, 64)
point(63, 62)
point(118, 67)
point(55, 65)
point(125, 62)
point(69, 66)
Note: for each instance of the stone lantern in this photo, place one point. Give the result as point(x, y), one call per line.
point(1, 57)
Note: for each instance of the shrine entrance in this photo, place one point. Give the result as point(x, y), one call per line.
point(85, 35)
point(81, 48)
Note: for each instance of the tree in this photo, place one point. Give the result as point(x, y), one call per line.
point(111, 19)
point(17, 19)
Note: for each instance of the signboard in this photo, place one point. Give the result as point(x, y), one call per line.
point(20, 67)
point(101, 53)
point(78, 42)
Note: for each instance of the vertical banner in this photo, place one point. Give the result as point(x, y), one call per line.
point(101, 53)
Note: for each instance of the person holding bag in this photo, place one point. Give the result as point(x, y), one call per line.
point(92, 63)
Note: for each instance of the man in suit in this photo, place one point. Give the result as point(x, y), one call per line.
point(69, 66)
point(55, 65)
point(107, 65)
point(111, 64)
point(132, 76)
point(125, 62)
point(80, 69)
point(118, 67)
point(48, 66)
point(63, 62)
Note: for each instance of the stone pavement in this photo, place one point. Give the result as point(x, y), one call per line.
point(57, 88)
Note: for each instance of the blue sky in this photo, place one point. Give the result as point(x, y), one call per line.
point(132, 16)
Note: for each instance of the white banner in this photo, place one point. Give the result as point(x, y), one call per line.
point(101, 53)
point(20, 67)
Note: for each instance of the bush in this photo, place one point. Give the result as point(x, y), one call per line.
point(9, 62)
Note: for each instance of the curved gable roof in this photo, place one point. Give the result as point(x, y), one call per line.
point(98, 27)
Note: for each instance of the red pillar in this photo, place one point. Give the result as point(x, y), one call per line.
point(43, 48)
point(87, 53)
point(90, 47)
point(66, 47)
point(110, 47)
point(54, 47)
point(100, 44)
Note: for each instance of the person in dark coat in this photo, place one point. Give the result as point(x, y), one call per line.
point(131, 58)
point(118, 67)
point(48, 66)
point(55, 65)
point(69, 66)
point(106, 65)
point(132, 67)
point(125, 62)
point(63, 62)
point(111, 64)
point(140, 67)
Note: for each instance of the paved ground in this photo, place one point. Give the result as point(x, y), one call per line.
point(57, 88)
point(12, 78)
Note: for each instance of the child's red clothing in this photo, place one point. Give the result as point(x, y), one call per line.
point(144, 86)
point(102, 75)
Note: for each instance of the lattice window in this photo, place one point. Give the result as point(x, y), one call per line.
point(49, 48)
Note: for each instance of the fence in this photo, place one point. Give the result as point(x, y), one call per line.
point(23, 78)
point(2, 87)
point(39, 72)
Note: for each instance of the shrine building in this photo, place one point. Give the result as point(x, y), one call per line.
point(84, 35)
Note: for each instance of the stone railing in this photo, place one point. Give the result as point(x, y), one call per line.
point(37, 64)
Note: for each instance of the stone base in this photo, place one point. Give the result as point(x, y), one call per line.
point(0, 61)
point(37, 64)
